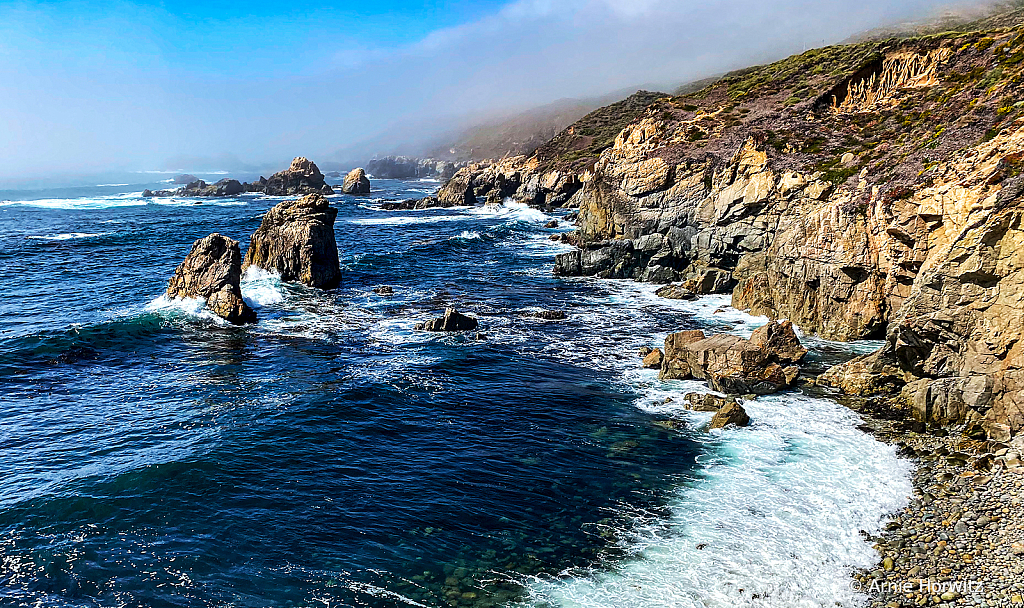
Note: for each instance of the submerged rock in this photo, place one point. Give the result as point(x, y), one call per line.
point(356, 182)
point(212, 272)
point(675, 292)
point(296, 240)
point(452, 320)
point(548, 315)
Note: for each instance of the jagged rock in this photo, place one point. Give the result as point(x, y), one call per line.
point(706, 402)
point(296, 240)
point(732, 364)
point(675, 364)
point(552, 224)
point(644, 351)
point(731, 414)
point(779, 340)
point(212, 271)
point(451, 321)
point(356, 182)
point(653, 359)
point(675, 292)
point(302, 177)
point(383, 290)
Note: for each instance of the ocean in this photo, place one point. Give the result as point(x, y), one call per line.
point(330, 455)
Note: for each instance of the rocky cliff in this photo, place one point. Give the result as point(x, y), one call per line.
point(861, 191)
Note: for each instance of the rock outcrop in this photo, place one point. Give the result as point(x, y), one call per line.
point(212, 272)
point(452, 320)
point(731, 414)
point(761, 365)
point(302, 177)
point(296, 240)
point(406, 167)
point(356, 182)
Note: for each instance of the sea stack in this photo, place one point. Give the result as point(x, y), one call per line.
point(356, 182)
point(296, 240)
point(302, 177)
point(212, 272)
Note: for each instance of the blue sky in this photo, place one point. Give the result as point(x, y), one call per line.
point(96, 85)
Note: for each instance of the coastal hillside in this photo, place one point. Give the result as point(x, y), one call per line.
point(868, 190)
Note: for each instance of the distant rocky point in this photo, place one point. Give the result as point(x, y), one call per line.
point(302, 177)
point(407, 167)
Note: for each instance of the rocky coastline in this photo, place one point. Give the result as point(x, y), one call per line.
point(301, 177)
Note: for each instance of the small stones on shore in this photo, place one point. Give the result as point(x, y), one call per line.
point(961, 539)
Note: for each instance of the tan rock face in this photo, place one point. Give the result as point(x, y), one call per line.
point(212, 271)
point(296, 240)
point(356, 182)
point(301, 177)
point(732, 364)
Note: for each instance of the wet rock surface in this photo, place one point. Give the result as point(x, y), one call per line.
point(212, 272)
point(296, 240)
point(452, 320)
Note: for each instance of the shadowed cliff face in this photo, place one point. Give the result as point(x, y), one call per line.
point(862, 191)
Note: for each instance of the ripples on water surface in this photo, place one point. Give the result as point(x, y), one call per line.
point(155, 456)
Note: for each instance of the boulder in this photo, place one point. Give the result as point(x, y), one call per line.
point(706, 402)
point(184, 178)
point(552, 224)
point(653, 359)
point(674, 364)
point(302, 177)
point(383, 290)
point(356, 182)
point(732, 364)
point(452, 320)
point(212, 271)
point(732, 413)
point(675, 292)
point(779, 340)
point(296, 240)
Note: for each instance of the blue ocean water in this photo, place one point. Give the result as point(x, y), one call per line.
point(330, 455)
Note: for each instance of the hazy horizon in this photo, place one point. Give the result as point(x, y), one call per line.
point(105, 87)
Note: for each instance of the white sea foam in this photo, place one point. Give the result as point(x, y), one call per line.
point(108, 185)
point(403, 220)
point(466, 235)
point(189, 306)
point(512, 210)
point(775, 521)
point(774, 518)
point(131, 199)
point(261, 287)
point(66, 236)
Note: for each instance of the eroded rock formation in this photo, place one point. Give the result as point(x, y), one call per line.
point(356, 182)
point(296, 240)
point(761, 365)
point(211, 272)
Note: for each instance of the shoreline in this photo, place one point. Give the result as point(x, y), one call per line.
point(960, 540)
